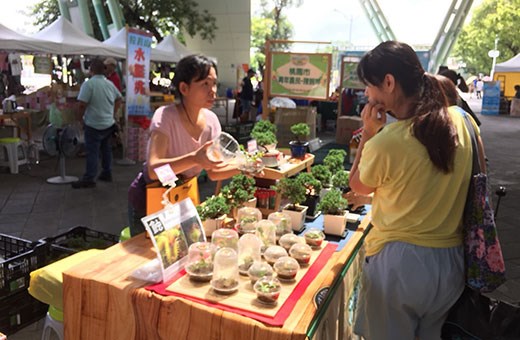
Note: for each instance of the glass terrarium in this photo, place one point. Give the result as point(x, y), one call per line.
point(288, 240)
point(272, 253)
point(224, 148)
point(249, 246)
point(286, 268)
point(224, 237)
point(314, 237)
point(268, 290)
point(282, 222)
point(301, 252)
point(247, 218)
point(200, 261)
point(225, 271)
point(266, 232)
point(258, 270)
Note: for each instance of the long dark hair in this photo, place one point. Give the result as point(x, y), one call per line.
point(432, 125)
point(194, 67)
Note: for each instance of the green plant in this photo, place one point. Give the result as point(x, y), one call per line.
point(300, 131)
point(341, 179)
point(292, 189)
point(264, 126)
point(213, 207)
point(322, 174)
point(264, 138)
point(240, 190)
point(311, 184)
point(333, 203)
point(335, 160)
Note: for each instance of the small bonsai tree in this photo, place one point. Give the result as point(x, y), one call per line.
point(292, 189)
point(341, 179)
point(311, 184)
point(212, 208)
point(300, 131)
point(240, 190)
point(322, 174)
point(335, 160)
point(264, 132)
point(333, 203)
point(264, 126)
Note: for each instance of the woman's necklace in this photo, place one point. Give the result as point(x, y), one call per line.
point(188, 115)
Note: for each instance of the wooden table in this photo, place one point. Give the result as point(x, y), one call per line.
point(101, 301)
point(15, 117)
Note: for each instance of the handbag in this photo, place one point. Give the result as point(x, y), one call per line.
point(484, 263)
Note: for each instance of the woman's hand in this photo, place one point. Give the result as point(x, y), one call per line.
point(201, 158)
point(357, 200)
point(374, 118)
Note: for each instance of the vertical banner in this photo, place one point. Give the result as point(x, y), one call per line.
point(299, 75)
point(138, 72)
point(491, 98)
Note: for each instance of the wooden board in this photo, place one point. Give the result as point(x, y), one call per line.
point(245, 297)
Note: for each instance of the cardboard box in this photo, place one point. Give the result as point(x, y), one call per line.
point(285, 118)
point(345, 125)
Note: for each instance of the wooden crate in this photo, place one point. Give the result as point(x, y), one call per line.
point(284, 118)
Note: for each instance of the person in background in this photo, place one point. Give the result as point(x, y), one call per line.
point(181, 133)
point(246, 95)
point(418, 169)
point(479, 86)
point(517, 91)
point(111, 74)
point(99, 100)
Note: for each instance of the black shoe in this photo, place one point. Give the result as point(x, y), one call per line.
point(83, 184)
point(105, 177)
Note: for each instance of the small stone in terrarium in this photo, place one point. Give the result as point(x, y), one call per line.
point(282, 222)
point(249, 246)
point(268, 290)
point(314, 237)
point(225, 271)
point(200, 261)
point(247, 217)
point(266, 231)
point(225, 238)
point(286, 268)
point(288, 240)
point(272, 253)
point(301, 252)
point(258, 270)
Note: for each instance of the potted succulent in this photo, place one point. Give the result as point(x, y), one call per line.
point(291, 189)
point(314, 237)
point(239, 192)
point(212, 212)
point(312, 192)
point(335, 160)
point(264, 132)
point(333, 207)
point(267, 290)
point(299, 146)
point(340, 180)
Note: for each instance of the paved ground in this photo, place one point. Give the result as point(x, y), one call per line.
point(31, 208)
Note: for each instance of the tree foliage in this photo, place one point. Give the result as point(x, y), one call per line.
point(270, 24)
point(493, 18)
point(160, 17)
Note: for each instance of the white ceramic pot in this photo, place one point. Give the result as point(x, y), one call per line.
point(335, 224)
point(297, 217)
point(251, 203)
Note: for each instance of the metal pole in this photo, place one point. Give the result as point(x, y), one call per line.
point(115, 13)
point(495, 55)
point(64, 9)
point(102, 19)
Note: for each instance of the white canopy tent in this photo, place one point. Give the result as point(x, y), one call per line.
point(511, 65)
point(70, 40)
point(171, 45)
point(118, 40)
point(13, 41)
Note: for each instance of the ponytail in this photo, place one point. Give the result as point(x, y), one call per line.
point(432, 125)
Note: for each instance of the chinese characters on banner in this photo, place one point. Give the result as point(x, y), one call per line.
point(300, 75)
point(138, 72)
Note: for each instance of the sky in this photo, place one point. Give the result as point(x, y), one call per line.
point(413, 21)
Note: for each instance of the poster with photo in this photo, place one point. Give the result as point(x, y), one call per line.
point(172, 230)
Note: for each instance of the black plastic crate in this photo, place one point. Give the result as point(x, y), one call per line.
point(20, 310)
point(75, 240)
point(239, 131)
point(18, 258)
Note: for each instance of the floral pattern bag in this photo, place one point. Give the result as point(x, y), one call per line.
point(485, 268)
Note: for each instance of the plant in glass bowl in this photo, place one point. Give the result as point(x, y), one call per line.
point(340, 180)
point(286, 268)
point(292, 190)
point(258, 270)
point(314, 237)
point(333, 206)
point(301, 252)
point(267, 290)
point(225, 271)
point(299, 146)
point(249, 162)
point(200, 261)
point(212, 212)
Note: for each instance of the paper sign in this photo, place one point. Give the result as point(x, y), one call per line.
point(252, 146)
point(172, 230)
point(166, 175)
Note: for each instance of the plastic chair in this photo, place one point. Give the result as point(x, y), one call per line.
point(53, 324)
point(13, 153)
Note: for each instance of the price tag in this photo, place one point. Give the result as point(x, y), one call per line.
point(251, 146)
point(166, 175)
